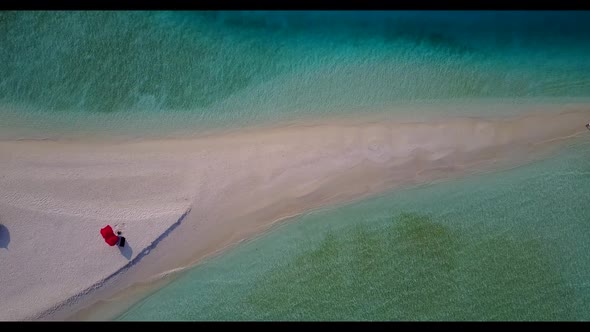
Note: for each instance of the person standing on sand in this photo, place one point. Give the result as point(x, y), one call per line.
point(110, 238)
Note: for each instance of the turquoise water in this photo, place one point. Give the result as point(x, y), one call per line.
point(156, 73)
point(510, 245)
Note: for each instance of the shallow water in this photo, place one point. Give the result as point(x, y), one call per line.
point(72, 74)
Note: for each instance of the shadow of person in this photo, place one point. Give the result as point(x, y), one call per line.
point(4, 237)
point(126, 251)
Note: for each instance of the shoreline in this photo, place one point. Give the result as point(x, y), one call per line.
point(236, 185)
point(22, 124)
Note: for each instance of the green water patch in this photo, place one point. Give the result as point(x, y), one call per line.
point(371, 267)
point(412, 268)
point(119, 61)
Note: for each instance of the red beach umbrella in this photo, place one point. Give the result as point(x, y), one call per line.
point(109, 236)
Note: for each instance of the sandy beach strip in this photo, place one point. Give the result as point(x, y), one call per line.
point(179, 200)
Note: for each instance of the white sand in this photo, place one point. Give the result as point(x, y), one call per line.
point(55, 196)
